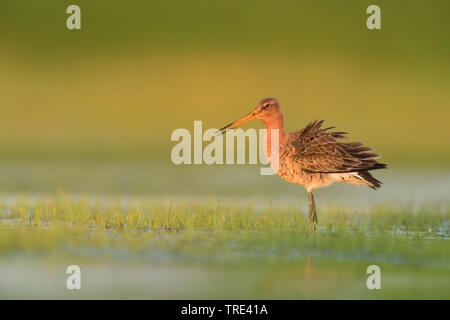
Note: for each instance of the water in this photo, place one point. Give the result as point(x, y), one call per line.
point(187, 269)
point(134, 182)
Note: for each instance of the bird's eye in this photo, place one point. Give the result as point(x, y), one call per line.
point(266, 106)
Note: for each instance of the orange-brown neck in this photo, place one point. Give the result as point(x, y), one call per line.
point(274, 123)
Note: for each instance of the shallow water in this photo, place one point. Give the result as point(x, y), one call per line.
point(188, 270)
point(133, 182)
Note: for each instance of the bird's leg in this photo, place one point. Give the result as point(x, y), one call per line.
point(312, 211)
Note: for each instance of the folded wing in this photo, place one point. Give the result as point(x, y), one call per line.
point(318, 150)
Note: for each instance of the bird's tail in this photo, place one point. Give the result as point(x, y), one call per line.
point(369, 179)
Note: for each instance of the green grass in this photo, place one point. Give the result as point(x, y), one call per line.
point(232, 251)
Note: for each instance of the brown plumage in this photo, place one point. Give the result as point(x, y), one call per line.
point(314, 157)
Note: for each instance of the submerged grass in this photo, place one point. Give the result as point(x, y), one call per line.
point(153, 216)
point(54, 221)
point(255, 242)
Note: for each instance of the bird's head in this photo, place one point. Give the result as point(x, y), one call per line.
point(266, 110)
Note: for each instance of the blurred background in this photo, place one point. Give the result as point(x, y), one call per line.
point(90, 113)
point(92, 110)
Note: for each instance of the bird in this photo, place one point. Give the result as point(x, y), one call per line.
point(314, 157)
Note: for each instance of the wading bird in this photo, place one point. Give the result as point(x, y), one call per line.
point(313, 157)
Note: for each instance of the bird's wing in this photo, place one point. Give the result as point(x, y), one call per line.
point(318, 150)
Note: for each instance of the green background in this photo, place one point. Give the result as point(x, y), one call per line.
point(137, 70)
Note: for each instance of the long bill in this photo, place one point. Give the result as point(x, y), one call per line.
point(247, 118)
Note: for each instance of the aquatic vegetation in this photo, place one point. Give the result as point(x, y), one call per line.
point(219, 239)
